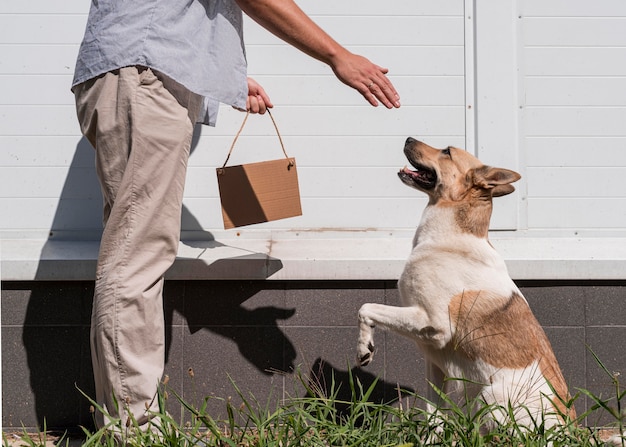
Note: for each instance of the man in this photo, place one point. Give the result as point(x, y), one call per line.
point(146, 72)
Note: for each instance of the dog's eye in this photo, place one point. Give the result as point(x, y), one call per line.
point(446, 151)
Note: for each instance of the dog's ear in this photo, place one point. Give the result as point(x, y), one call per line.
point(497, 180)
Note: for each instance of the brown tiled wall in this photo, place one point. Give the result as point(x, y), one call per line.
point(259, 332)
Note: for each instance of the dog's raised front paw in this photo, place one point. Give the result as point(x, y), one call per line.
point(365, 353)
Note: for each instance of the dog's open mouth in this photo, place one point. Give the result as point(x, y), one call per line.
point(421, 176)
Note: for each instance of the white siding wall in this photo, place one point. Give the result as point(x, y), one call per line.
point(535, 86)
point(348, 152)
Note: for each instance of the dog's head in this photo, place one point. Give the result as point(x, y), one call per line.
point(453, 174)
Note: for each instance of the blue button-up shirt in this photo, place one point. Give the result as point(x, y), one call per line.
point(196, 43)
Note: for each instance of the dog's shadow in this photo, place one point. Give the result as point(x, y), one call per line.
point(346, 387)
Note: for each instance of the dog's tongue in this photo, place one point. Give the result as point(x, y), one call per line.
point(412, 172)
point(417, 174)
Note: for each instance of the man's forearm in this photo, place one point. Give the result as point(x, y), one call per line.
point(287, 21)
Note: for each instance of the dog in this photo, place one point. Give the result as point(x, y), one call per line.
point(459, 304)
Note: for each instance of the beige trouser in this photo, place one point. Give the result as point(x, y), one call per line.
point(142, 133)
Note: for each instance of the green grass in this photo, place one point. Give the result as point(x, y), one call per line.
point(322, 419)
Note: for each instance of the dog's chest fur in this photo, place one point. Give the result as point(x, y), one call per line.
point(445, 262)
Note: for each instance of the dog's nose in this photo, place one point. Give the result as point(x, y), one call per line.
point(409, 141)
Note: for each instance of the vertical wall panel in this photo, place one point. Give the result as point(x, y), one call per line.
point(574, 78)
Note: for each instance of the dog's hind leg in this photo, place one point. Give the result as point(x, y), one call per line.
point(436, 379)
point(435, 403)
point(407, 321)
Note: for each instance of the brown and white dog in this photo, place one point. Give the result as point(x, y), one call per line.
point(459, 304)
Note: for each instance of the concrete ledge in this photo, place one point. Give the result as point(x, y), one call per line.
point(317, 255)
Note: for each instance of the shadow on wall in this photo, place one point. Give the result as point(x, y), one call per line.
point(56, 326)
point(224, 308)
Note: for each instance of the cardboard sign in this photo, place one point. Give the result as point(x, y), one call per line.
point(258, 192)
